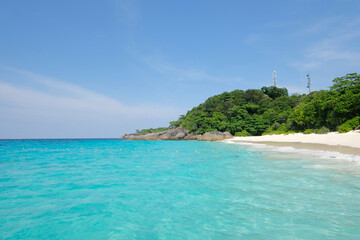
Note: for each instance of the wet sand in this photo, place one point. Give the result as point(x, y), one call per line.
point(315, 146)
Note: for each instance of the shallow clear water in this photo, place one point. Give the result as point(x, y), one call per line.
point(112, 189)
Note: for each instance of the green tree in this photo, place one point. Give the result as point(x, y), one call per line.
point(275, 92)
point(341, 84)
point(219, 121)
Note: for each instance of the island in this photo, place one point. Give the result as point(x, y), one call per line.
point(271, 111)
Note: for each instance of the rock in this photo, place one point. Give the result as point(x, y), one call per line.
point(227, 135)
point(191, 136)
point(148, 136)
point(215, 136)
point(179, 134)
point(174, 134)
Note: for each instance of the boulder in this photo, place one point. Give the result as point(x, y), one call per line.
point(191, 136)
point(174, 134)
point(227, 135)
point(148, 136)
point(215, 136)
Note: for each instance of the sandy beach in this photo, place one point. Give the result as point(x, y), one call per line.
point(347, 143)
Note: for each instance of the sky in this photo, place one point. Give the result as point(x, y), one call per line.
point(98, 69)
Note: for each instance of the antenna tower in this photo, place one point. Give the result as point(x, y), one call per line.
point(309, 82)
point(274, 76)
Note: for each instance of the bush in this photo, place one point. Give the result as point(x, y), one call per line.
point(289, 124)
point(276, 126)
point(349, 125)
point(243, 133)
point(344, 128)
point(151, 130)
point(323, 130)
point(308, 131)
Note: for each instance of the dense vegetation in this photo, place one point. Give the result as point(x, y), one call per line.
point(272, 110)
point(151, 130)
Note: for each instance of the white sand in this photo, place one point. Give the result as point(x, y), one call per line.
point(350, 139)
point(348, 143)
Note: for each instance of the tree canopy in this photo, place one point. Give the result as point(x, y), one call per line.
point(252, 111)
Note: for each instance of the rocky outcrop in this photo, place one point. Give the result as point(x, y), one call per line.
point(149, 136)
point(192, 136)
point(174, 134)
point(215, 136)
point(179, 134)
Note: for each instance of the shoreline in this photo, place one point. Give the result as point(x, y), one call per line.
point(345, 143)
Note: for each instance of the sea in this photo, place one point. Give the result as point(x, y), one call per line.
point(116, 189)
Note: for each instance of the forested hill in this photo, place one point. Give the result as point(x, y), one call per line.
point(272, 110)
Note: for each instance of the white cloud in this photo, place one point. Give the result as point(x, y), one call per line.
point(53, 101)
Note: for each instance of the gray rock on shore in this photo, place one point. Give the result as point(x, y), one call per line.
point(214, 136)
point(179, 134)
point(174, 134)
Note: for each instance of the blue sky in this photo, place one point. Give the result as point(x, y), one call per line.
point(103, 68)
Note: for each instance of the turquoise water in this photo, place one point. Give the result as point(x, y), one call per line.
point(112, 189)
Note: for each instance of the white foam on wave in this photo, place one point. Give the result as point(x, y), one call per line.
point(323, 166)
point(306, 152)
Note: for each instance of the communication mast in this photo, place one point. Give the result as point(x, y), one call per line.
point(274, 76)
point(309, 82)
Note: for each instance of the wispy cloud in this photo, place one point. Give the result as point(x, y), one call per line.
point(252, 38)
point(49, 100)
point(336, 46)
point(322, 26)
point(127, 11)
point(326, 52)
point(183, 74)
